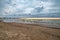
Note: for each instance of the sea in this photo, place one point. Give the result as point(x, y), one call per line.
point(49, 23)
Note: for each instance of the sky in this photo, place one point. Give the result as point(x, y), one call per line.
point(29, 8)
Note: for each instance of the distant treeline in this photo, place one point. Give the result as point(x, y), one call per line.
point(7, 18)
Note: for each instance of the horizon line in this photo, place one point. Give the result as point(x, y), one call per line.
point(41, 18)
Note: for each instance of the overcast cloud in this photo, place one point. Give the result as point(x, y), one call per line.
point(21, 7)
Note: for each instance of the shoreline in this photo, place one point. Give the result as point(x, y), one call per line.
point(28, 31)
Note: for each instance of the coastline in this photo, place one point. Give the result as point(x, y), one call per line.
point(34, 32)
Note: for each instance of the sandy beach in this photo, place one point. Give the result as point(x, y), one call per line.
point(19, 31)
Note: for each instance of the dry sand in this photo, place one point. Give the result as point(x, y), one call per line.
point(16, 31)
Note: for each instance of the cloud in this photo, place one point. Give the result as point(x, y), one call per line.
point(9, 7)
point(8, 10)
point(28, 10)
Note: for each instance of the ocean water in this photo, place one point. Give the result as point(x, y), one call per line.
point(49, 23)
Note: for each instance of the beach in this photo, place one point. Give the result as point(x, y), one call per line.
point(20, 31)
